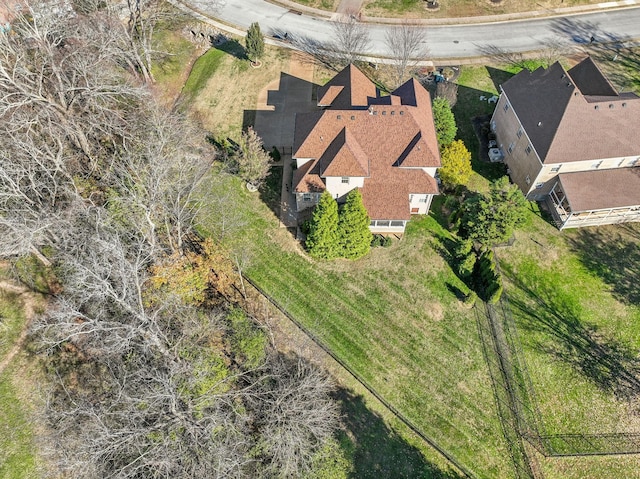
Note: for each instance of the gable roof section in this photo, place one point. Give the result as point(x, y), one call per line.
point(344, 157)
point(601, 189)
point(566, 125)
point(348, 89)
point(306, 179)
point(589, 79)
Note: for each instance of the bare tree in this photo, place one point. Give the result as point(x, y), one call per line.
point(553, 50)
point(352, 39)
point(296, 415)
point(407, 47)
point(59, 74)
point(157, 173)
point(250, 160)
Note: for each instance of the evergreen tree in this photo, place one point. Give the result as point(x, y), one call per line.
point(322, 240)
point(353, 227)
point(254, 42)
point(491, 219)
point(456, 165)
point(444, 121)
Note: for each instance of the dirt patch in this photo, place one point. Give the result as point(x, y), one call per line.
point(29, 303)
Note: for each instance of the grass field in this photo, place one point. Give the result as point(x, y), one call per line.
point(395, 318)
point(578, 319)
point(17, 457)
point(222, 90)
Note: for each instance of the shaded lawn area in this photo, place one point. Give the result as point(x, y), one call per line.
point(392, 317)
point(580, 333)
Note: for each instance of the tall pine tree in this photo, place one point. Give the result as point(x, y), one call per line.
point(254, 42)
point(353, 227)
point(322, 240)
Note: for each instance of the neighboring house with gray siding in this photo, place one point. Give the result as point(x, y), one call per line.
point(570, 139)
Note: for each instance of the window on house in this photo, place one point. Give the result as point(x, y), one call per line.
point(528, 180)
point(372, 223)
point(345, 179)
point(506, 106)
point(422, 199)
point(621, 162)
point(411, 198)
point(511, 147)
point(596, 164)
point(493, 126)
point(519, 132)
point(555, 169)
point(527, 150)
point(383, 223)
point(539, 185)
point(634, 162)
point(307, 197)
point(397, 223)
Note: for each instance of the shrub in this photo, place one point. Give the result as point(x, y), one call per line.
point(275, 154)
point(386, 241)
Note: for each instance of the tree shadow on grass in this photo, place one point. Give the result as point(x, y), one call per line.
point(378, 451)
point(613, 254)
point(611, 365)
point(233, 48)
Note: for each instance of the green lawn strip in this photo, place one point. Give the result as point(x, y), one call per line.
point(377, 319)
point(177, 53)
point(11, 320)
point(17, 459)
point(202, 69)
point(573, 338)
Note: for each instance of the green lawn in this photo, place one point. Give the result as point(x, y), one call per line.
point(17, 458)
point(393, 317)
point(576, 306)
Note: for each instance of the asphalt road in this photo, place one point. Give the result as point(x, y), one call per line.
point(443, 41)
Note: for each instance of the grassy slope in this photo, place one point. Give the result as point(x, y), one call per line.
point(401, 328)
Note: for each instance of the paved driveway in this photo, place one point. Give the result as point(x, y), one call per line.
point(277, 106)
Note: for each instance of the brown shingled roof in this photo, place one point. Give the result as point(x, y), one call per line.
point(566, 125)
point(354, 87)
point(387, 144)
point(601, 189)
point(348, 160)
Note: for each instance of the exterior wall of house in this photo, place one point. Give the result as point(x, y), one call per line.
point(519, 155)
point(387, 226)
point(419, 203)
point(306, 200)
point(302, 161)
point(338, 188)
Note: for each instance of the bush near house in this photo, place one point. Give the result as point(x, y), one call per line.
point(456, 165)
point(343, 234)
point(353, 227)
point(322, 240)
point(444, 121)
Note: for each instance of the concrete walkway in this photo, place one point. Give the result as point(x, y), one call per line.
point(277, 106)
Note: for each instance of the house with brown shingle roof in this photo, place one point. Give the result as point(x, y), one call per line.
point(570, 139)
point(385, 145)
